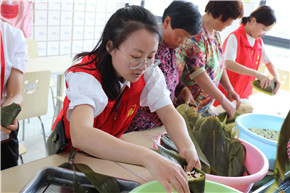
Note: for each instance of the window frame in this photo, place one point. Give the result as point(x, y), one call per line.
point(274, 40)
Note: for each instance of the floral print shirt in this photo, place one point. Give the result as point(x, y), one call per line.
point(144, 119)
point(200, 53)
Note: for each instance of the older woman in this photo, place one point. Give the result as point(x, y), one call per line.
point(201, 62)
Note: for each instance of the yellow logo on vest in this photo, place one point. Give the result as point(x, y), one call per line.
point(132, 110)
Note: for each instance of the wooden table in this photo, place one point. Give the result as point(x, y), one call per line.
point(14, 179)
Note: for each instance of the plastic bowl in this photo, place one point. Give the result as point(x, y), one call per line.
point(155, 186)
point(267, 146)
point(256, 163)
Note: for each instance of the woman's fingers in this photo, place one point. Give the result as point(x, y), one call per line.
point(179, 184)
point(277, 87)
point(265, 81)
point(167, 186)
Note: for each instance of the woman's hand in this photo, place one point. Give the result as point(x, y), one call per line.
point(9, 128)
point(187, 96)
point(278, 83)
point(167, 173)
point(264, 80)
point(191, 157)
point(229, 107)
point(234, 96)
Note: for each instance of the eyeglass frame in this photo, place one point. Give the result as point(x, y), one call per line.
point(155, 62)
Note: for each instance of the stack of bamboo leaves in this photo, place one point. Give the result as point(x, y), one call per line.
point(220, 152)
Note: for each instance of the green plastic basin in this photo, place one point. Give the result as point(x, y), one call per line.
point(210, 186)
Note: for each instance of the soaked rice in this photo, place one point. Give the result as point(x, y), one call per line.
point(266, 133)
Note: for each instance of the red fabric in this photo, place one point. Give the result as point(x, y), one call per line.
point(9, 11)
point(2, 66)
point(130, 101)
point(17, 13)
point(247, 56)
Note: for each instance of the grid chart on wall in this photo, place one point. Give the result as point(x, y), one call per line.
point(67, 27)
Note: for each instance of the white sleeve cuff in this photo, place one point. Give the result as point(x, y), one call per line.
point(196, 73)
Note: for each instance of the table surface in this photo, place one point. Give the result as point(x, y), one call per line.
point(56, 64)
point(15, 178)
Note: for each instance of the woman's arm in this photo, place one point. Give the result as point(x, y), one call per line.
point(14, 88)
point(204, 82)
point(240, 69)
point(177, 131)
point(271, 68)
point(226, 84)
point(103, 145)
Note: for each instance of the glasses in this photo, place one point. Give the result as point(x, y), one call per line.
point(137, 63)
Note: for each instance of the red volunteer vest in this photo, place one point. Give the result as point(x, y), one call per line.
point(247, 56)
point(111, 121)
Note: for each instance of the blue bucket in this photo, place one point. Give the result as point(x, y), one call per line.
point(267, 146)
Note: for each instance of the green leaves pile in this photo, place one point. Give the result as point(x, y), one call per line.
point(219, 151)
point(196, 178)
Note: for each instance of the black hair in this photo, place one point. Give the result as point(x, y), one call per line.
point(120, 26)
point(263, 14)
point(226, 9)
point(184, 15)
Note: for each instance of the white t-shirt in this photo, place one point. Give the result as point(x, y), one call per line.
point(230, 52)
point(84, 88)
point(15, 52)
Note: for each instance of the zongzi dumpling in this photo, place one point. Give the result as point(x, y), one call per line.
point(269, 90)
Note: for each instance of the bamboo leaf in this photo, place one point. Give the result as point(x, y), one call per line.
point(181, 109)
point(171, 155)
point(77, 187)
point(102, 183)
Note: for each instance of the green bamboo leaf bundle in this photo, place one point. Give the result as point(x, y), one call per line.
point(167, 143)
point(196, 181)
point(102, 183)
point(191, 118)
point(171, 155)
point(224, 116)
point(9, 114)
point(217, 143)
point(196, 178)
point(269, 90)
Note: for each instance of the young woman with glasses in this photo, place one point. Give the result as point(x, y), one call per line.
point(105, 89)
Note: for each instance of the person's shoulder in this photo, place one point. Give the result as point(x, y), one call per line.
point(6, 26)
point(11, 31)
